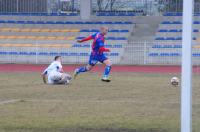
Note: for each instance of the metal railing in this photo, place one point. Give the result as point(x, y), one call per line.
point(140, 7)
point(135, 53)
point(38, 6)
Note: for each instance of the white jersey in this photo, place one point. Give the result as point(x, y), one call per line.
point(53, 67)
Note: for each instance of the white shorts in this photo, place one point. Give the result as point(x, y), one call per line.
point(54, 76)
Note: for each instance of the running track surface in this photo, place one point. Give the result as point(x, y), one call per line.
point(98, 68)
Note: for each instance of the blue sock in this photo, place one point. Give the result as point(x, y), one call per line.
point(107, 71)
point(82, 69)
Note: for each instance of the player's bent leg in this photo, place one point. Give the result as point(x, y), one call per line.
point(65, 79)
point(108, 64)
point(82, 69)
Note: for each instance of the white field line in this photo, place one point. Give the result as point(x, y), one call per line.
point(9, 101)
point(92, 101)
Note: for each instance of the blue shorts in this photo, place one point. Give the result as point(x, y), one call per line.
point(96, 58)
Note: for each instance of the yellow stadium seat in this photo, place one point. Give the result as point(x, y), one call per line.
point(65, 30)
point(45, 30)
point(2, 37)
point(25, 30)
point(55, 30)
point(11, 37)
point(51, 38)
point(35, 30)
point(5, 29)
point(15, 30)
point(70, 38)
point(41, 37)
point(31, 37)
point(21, 37)
point(60, 38)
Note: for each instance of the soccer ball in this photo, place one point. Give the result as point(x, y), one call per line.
point(175, 81)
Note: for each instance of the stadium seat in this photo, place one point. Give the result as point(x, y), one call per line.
point(166, 22)
point(153, 54)
point(173, 30)
point(59, 22)
point(50, 22)
point(159, 38)
point(196, 22)
point(163, 30)
point(164, 54)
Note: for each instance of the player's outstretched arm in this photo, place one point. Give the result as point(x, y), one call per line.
point(85, 39)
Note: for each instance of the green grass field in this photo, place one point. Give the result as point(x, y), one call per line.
point(130, 103)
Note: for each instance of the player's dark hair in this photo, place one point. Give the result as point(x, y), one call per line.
point(56, 57)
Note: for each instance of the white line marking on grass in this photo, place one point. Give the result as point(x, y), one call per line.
point(9, 101)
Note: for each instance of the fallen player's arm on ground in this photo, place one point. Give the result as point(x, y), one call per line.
point(44, 78)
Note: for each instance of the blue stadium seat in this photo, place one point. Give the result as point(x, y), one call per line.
point(164, 54)
point(32, 53)
point(121, 38)
point(2, 21)
point(170, 38)
point(78, 22)
point(167, 46)
point(94, 30)
point(73, 54)
point(176, 22)
point(23, 53)
point(30, 22)
point(11, 21)
point(53, 54)
point(124, 31)
point(20, 22)
point(113, 30)
point(196, 22)
point(153, 54)
point(196, 54)
point(177, 46)
point(156, 46)
point(118, 22)
point(166, 22)
point(60, 22)
point(173, 30)
point(43, 53)
point(174, 54)
point(108, 22)
point(88, 23)
point(195, 30)
point(84, 30)
point(3, 53)
point(163, 30)
point(159, 38)
point(68, 22)
point(13, 53)
point(110, 38)
point(83, 54)
point(50, 22)
point(114, 54)
point(179, 38)
point(40, 22)
point(99, 22)
point(127, 23)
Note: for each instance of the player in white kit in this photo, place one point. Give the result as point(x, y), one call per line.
point(55, 74)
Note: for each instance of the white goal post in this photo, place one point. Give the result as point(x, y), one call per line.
point(186, 89)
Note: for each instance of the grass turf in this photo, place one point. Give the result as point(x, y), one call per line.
point(130, 103)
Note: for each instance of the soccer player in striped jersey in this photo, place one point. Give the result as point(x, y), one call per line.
point(97, 54)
